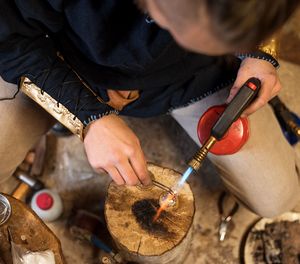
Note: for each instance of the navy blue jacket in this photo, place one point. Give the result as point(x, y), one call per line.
point(111, 45)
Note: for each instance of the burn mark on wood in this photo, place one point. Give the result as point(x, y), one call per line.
point(144, 212)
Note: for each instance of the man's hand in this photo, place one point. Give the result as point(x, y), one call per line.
point(267, 74)
point(111, 146)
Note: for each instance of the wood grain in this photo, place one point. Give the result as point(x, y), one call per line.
point(29, 230)
point(167, 241)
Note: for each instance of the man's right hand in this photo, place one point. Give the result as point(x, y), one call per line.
point(113, 147)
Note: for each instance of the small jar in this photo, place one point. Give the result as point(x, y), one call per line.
point(47, 205)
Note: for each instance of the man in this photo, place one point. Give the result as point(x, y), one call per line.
point(85, 62)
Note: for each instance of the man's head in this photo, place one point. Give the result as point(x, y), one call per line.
point(219, 26)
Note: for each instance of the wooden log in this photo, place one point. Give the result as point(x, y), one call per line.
point(129, 212)
point(29, 231)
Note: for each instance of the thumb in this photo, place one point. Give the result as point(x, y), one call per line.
point(240, 80)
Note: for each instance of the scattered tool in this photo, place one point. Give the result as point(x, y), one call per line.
point(29, 169)
point(34, 184)
point(89, 227)
point(225, 218)
point(289, 121)
point(244, 97)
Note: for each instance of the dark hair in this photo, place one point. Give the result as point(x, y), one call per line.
point(239, 23)
point(247, 23)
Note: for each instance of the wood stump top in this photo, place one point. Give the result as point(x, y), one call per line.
point(129, 212)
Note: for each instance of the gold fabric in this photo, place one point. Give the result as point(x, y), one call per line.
point(58, 111)
point(119, 99)
point(270, 47)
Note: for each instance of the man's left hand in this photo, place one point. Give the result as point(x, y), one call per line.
point(270, 84)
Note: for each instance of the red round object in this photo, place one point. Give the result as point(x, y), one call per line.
point(236, 136)
point(44, 201)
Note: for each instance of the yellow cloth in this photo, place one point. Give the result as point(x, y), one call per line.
point(119, 99)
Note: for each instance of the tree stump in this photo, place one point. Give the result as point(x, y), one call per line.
point(129, 213)
point(29, 231)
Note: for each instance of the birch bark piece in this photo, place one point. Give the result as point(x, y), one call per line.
point(129, 212)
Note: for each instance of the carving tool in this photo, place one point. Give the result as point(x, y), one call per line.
point(289, 121)
point(225, 218)
point(34, 184)
point(89, 227)
point(29, 169)
point(234, 109)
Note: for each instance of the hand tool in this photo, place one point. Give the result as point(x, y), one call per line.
point(89, 227)
point(235, 108)
point(34, 184)
point(225, 218)
point(289, 121)
point(27, 183)
point(34, 163)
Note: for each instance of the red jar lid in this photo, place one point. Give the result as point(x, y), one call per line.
point(44, 201)
point(236, 136)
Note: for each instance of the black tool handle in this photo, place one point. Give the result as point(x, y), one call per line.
point(235, 108)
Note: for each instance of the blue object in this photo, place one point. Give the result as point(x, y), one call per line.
point(290, 136)
point(99, 244)
point(289, 121)
point(185, 176)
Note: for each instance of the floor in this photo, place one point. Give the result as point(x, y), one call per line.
point(166, 144)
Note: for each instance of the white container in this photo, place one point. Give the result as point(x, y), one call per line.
point(47, 204)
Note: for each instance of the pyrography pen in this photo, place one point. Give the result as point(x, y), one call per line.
point(234, 109)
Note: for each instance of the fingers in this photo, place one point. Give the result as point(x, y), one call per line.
point(234, 90)
point(126, 167)
point(267, 74)
point(266, 93)
point(257, 104)
point(240, 80)
point(269, 89)
point(112, 146)
point(276, 88)
point(128, 173)
point(139, 165)
point(115, 175)
point(131, 172)
point(123, 173)
point(138, 172)
point(101, 171)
